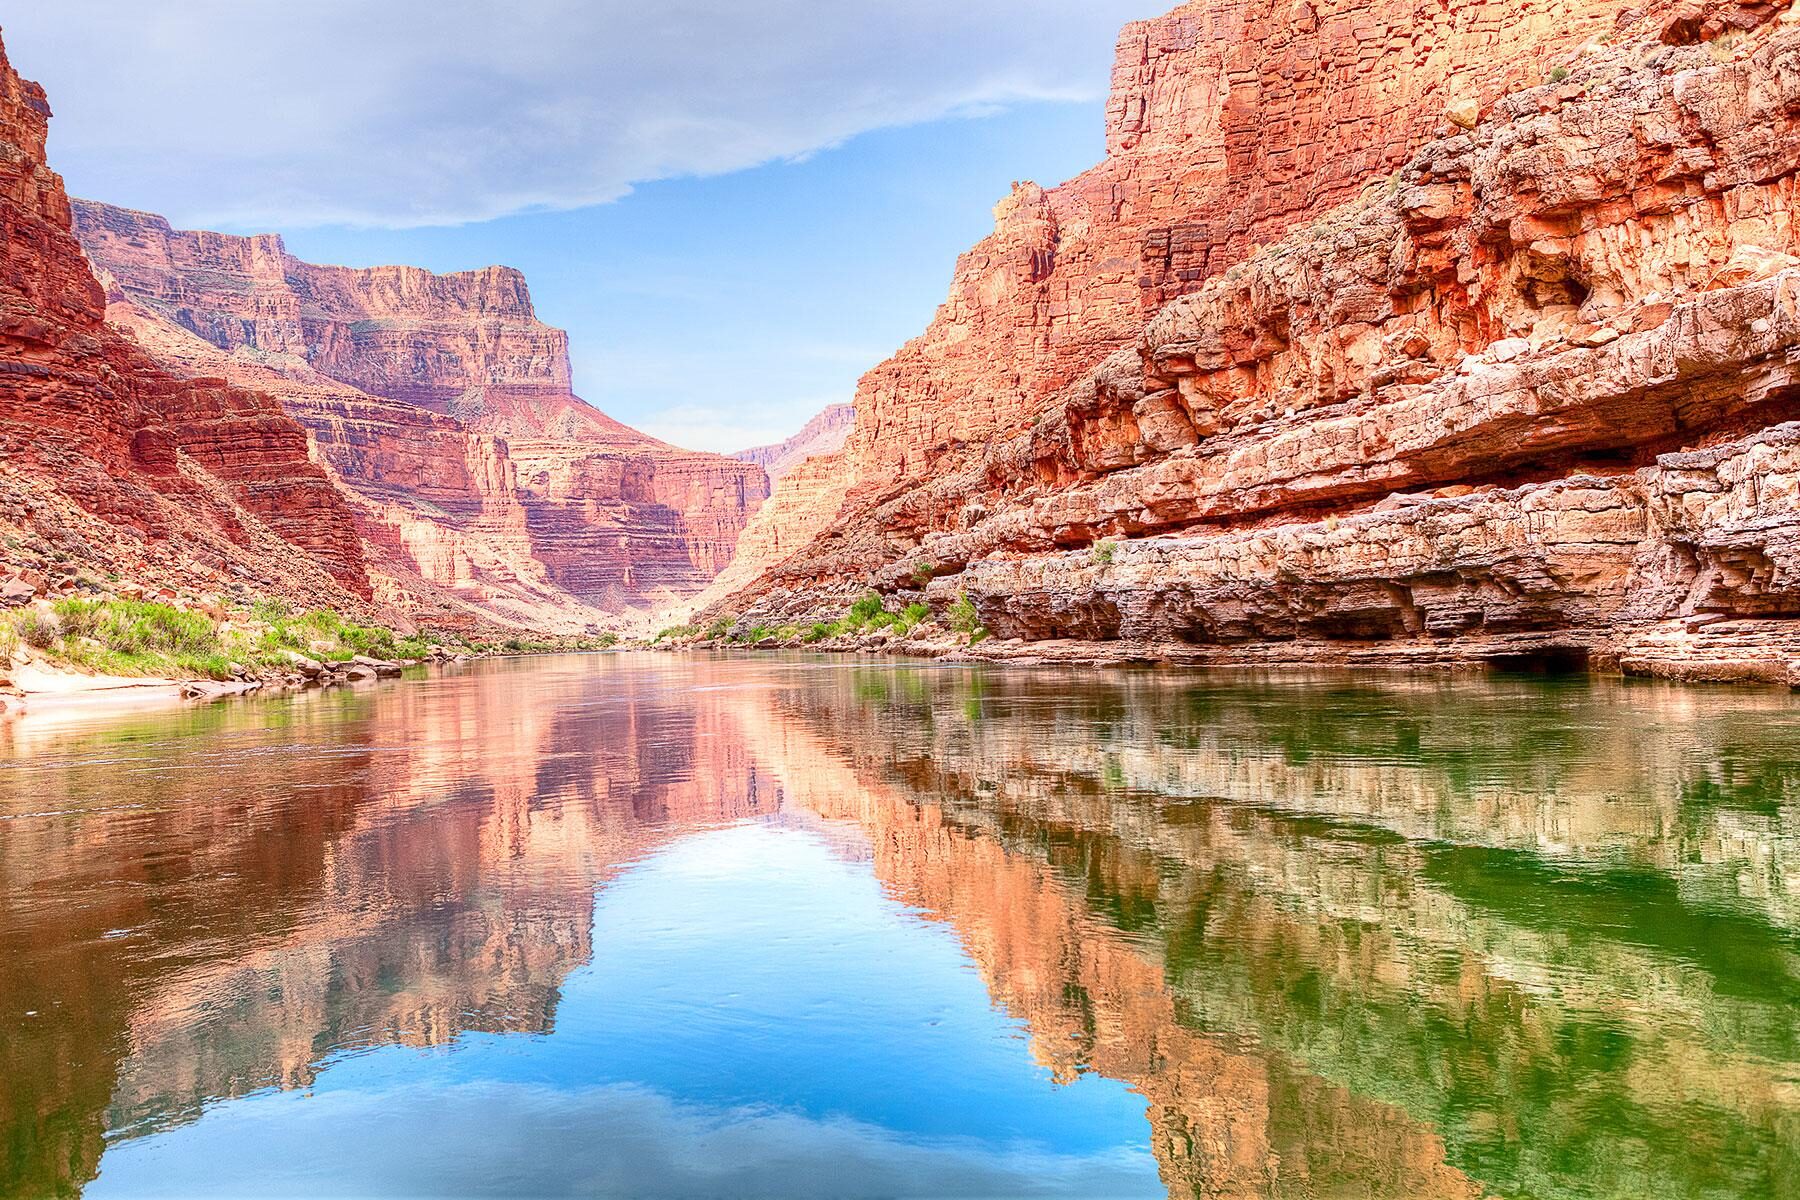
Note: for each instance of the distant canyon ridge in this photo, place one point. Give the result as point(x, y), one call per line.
point(1395, 332)
point(442, 408)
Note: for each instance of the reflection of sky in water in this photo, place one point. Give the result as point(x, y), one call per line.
point(758, 1019)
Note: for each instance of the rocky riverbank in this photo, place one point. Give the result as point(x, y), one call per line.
point(91, 645)
point(1694, 650)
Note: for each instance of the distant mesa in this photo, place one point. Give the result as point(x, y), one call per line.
point(826, 433)
point(443, 408)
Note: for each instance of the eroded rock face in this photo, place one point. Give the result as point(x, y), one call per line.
point(443, 406)
point(1532, 391)
point(1230, 121)
point(111, 461)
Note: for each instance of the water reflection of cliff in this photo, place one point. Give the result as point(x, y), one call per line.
point(1348, 938)
point(1363, 938)
point(213, 902)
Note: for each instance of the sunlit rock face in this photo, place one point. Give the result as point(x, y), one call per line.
point(1351, 381)
point(117, 464)
point(443, 407)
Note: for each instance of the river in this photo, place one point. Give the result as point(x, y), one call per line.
point(764, 925)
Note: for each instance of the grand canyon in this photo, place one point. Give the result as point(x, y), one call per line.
point(1286, 686)
point(1428, 337)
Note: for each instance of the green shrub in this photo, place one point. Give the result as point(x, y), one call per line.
point(963, 617)
point(271, 612)
point(38, 631)
point(867, 608)
point(77, 618)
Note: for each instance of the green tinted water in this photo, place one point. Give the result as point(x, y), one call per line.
point(664, 925)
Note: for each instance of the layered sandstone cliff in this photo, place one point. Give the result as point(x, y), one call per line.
point(1527, 392)
point(444, 408)
point(112, 464)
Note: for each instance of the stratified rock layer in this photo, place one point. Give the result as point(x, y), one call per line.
point(1529, 393)
point(443, 406)
point(113, 463)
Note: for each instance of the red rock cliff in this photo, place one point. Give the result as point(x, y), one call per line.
point(111, 460)
point(1515, 382)
point(1229, 122)
point(444, 405)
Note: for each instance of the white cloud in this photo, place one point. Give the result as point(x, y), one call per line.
point(497, 1139)
point(271, 113)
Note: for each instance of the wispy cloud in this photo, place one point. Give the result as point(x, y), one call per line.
point(619, 1140)
point(422, 112)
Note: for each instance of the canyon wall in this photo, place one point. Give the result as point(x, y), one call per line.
point(1464, 337)
point(443, 407)
point(115, 466)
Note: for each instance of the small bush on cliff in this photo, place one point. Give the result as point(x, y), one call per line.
point(867, 608)
point(963, 617)
point(912, 616)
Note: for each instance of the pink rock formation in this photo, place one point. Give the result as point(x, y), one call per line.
point(824, 434)
point(1528, 392)
point(443, 406)
point(114, 463)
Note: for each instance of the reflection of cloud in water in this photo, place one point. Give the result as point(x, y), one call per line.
point(504, 1139)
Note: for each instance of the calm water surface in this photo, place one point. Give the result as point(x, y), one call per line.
point(678, 926)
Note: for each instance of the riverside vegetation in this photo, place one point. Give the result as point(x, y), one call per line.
point(868, 621)
point(126, 636)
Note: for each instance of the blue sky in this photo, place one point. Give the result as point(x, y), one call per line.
point(734, 208)
point(721, 312)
